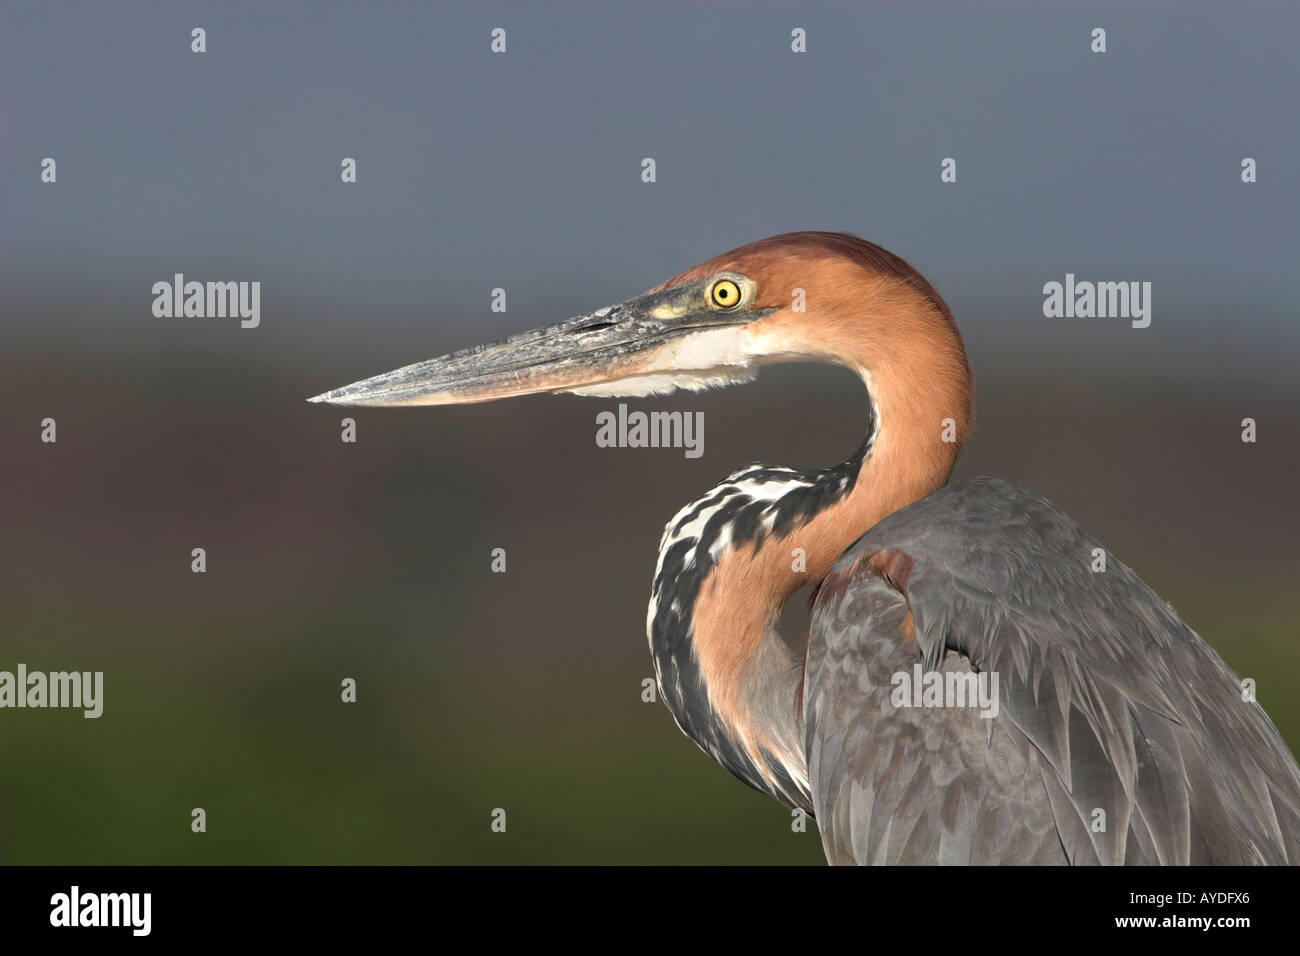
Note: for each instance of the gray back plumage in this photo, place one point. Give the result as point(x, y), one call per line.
point(1121, 736)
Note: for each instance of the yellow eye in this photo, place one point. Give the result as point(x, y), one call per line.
point(724, 294)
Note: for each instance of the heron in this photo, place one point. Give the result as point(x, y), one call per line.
point(1119, 735)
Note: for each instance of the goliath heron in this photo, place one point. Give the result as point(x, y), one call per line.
point(1120, 736)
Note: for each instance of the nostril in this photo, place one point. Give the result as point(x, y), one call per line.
point(594, 327)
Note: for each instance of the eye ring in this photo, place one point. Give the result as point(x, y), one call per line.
point(724, 294)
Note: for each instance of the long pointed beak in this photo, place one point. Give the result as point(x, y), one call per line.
point(609, 344)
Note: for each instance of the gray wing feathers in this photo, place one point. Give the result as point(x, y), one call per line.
point(897, 785)
point(1121, 737)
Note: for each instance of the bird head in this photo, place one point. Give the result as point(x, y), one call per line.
point(799, 297)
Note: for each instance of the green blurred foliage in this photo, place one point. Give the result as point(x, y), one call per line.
point(476, 690)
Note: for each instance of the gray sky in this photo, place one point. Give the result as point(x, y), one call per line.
point(522, 170)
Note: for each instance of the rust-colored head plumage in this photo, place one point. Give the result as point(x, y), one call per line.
point(779, 259)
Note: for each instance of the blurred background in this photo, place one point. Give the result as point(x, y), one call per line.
point(372, 560)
